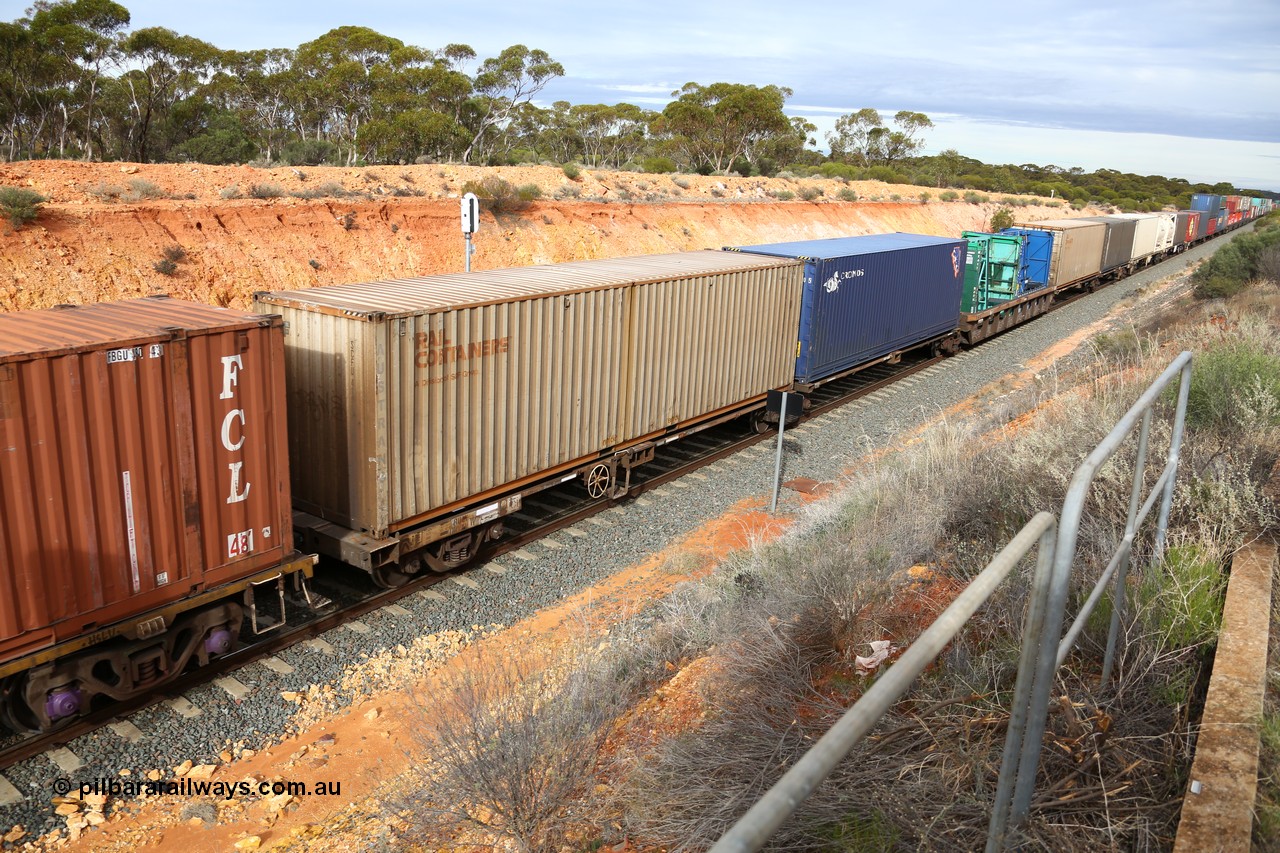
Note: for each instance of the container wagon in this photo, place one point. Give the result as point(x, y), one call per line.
point(1021, 256)
point(869, 299)
point(144, 494)
point(424, 410)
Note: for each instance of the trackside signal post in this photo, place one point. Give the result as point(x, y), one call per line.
point(470, 222)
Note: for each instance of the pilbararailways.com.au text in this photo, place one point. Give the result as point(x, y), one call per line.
point(198, 788)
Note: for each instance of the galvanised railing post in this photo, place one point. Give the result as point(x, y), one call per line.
point(1051, 652)
point(1119, 599)
point(1032, 636)
point(1175, 448)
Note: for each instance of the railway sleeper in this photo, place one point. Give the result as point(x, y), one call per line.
point(40, 698)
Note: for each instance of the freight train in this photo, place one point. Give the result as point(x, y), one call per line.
point(169, 468)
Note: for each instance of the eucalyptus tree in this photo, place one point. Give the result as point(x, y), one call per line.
point(335, 82)
point(502, 84)
point(168, 69)
point(82, 38)
point(711, 126)
point(256, 85)
point(863, 138)
point(417, 98)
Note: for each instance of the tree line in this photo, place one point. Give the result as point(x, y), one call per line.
point(76, 83)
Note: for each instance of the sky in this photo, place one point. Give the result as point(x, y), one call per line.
point(1181, 88)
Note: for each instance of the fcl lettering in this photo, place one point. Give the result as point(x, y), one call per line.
point(233, 421)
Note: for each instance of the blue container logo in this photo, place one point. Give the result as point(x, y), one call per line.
point(956, 262)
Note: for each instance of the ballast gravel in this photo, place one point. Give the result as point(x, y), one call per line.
point(432, 625)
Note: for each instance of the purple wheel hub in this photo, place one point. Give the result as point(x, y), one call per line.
point(218, 642)
point(64, 702)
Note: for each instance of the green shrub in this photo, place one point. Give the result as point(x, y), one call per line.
point(20, 206)
point(174, 253)
point(529, 192)
point(848, 194)
point(682, 183)
point(568, 191)
point(1182, 597)
point(230, 192)
point(1002, 219)
point(948, 195)
point(164, 266)
point(810, 193)
point(310, 152)
point(499, 195)
point(782, 195)
point(925, 196)
point(1235, 265)
point(1234, 386)
point(658, 165)
point(975, 198)
point(572, 171)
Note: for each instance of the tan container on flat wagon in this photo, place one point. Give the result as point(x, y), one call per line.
point(410, 399)
point(1077, 248)
point(142, 459)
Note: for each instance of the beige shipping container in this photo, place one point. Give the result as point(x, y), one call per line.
point(1077, 249)
point(415, 398)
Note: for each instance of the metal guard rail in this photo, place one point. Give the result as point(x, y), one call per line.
point(1041, 653)
point(781, 801)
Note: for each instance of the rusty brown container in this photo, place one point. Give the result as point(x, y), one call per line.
point(417, 397)
point(143, 457)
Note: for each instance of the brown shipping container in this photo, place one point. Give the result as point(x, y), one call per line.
point(1077, 248)
point(142, 457)
point(410, 398)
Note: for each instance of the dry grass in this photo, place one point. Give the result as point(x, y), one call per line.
point(780, 624)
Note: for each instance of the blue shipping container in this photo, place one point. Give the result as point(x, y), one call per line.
point(1037, 256)
point(1206, 201)
point(866, 297)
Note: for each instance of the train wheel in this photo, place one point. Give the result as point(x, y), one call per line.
point(454, 553)
point(598, 480)
point(390, 577)
point(15, 715)
point(760, 424)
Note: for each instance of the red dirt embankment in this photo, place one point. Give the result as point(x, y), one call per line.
point(107, 225)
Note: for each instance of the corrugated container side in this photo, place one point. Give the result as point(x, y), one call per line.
point(1186, 226)
point(1037, 255)
point(423, 395)
point(1207, 202)
point(1152, 233)
point(1077, 248)
point(866, 297)
point(144, 457)
point(1118, 247)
